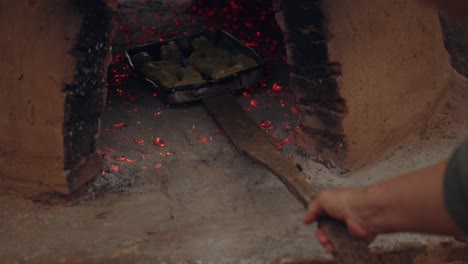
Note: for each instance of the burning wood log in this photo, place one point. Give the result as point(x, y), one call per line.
point(53, 64)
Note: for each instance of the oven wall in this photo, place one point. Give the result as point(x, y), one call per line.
point(44, 82)
point(367, 74)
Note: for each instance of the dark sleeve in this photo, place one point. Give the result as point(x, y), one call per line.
point(456, 186)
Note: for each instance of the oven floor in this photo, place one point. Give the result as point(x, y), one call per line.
point(194, 198)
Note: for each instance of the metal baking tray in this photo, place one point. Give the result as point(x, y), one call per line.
point(207, 88)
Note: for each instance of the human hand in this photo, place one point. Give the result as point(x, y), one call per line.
point(346, 205)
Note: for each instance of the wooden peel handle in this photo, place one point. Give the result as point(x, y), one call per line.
point(348, 249)
point(249, 138)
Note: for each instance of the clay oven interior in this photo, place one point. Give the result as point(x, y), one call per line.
point(350, 78)
point(347, 83)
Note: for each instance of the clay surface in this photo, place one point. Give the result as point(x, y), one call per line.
point(32, 98)
point(53, 62)
point(395, 71)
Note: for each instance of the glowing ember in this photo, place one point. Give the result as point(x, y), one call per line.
point(252, 44)
point(266, 124)
point(253, 103)
point(203, 140)
point(160, 143)
point(279, 146)
point(294, 110)
point(130, 160)
point(106, 151)
point(158, 165)
point(139, 141)
point(276, 88)
point(119, 125)
point(114, 168)
point(120, 158)
point(287, 140)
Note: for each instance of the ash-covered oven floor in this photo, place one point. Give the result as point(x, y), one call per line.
point(173, 188)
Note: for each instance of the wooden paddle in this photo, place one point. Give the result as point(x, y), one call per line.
point(250, 139)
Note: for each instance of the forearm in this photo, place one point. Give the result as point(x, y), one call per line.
point(409, 203)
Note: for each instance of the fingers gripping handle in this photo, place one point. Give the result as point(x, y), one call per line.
point(348, 249)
